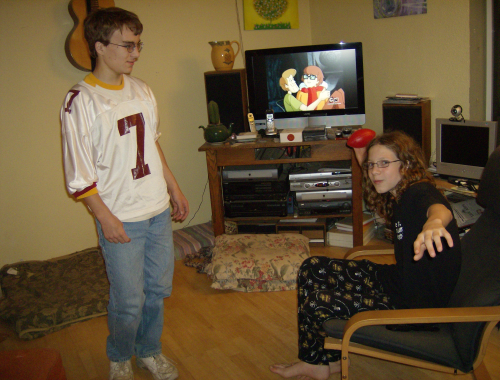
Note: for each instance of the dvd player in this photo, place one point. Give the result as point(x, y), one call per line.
point(324, 207)
point(323, 195)
point(259, 188)
point(337, 183)
point(251, 172)
point(255, 197)
point(255, 208)
point(324, 174)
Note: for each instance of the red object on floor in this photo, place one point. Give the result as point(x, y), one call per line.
point(32, 364)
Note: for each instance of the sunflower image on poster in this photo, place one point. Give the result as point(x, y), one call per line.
point(271, 14)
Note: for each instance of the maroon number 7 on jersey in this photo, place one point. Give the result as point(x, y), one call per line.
point(141, 169)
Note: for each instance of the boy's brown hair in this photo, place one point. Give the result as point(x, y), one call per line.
point(100, 25)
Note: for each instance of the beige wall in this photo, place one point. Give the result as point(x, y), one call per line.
point(477, 20)
point(426, 54)
point(39, 220)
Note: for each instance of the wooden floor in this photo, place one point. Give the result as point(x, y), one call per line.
point(221, 335)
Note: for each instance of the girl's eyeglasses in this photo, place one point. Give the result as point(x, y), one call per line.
point(380, 164)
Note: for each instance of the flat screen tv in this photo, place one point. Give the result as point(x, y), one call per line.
point(463, 147)
point(307, 85)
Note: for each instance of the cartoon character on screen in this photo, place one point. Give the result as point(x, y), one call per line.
point(291, 103)
point(312, 86)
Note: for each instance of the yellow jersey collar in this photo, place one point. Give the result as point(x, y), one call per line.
point(92, 80)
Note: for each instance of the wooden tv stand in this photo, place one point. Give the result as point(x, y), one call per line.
point(232, 154)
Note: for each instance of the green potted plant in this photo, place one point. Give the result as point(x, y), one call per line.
point(215, 132)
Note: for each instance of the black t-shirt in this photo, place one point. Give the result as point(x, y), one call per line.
point(428, 282)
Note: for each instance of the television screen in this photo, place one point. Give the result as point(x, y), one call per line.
point(307, 81)
point(463, 147)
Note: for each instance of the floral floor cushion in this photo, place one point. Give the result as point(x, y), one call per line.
point(257, 262)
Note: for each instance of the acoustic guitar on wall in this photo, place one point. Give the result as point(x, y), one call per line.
point(76, 47)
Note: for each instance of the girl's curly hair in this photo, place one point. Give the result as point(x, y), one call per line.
point(413, 169)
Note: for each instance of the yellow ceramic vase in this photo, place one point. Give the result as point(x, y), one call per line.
point(223, 54)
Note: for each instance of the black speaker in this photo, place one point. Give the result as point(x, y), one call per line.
point(229, 90)
point(413, 119)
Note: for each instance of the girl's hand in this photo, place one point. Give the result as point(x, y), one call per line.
point(360, 154)
point(431, 236)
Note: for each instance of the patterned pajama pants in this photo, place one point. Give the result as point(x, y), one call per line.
point(333, 288)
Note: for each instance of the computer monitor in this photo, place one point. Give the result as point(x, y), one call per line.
point(334, 68)
point(463, 147)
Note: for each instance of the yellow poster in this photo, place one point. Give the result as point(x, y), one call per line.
point(271, 14)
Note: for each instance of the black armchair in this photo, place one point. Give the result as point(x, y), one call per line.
point(464, 327)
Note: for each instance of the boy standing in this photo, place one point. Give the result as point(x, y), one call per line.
point(114, 163)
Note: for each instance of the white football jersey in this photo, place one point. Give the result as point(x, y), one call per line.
point(109, 138)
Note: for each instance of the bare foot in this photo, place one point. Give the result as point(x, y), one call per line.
point(335, 367)
point(302, 371)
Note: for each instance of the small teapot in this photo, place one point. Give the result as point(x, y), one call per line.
point(215, 131)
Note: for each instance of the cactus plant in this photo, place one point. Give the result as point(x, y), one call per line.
point(215, 132)
point(213, 113)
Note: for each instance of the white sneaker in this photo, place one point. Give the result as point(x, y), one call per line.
point(121, 371)
point(160, 366)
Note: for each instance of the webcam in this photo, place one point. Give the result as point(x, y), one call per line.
point(456, 112)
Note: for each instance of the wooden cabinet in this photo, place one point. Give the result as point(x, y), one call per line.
point(228, 154)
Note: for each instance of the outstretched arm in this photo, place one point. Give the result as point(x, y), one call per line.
point(438, 217)
point(180, 205)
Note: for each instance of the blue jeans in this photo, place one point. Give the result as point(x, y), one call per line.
point(140, 275)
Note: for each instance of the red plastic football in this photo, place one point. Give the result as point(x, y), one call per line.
point(361, 138)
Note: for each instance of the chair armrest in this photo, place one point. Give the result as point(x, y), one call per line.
point(490, 314)
point(413, 316)
point(366, 250)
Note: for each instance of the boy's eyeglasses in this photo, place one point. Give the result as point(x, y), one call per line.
point(380, 164)
point(131, 47)
point(309, 76)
